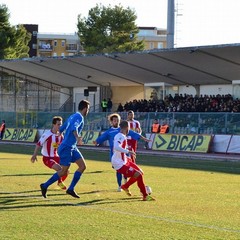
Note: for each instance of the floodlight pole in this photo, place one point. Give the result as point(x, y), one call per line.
point(170, 23)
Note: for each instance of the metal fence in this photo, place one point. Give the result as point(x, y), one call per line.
point(182, 123)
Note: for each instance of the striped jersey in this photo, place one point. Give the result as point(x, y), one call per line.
point(134, 124)
point(120, 150)
point(49, 142)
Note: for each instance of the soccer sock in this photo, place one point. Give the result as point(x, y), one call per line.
point(63, 178)
point(51, 180)
point(76, 177)
point(119, 179)
point(131, 181)
point(141, 185)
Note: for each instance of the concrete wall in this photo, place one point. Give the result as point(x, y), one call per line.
point(125, 94)
point(208, 89)
point(94, 97)
point(187, 89)
point(216, 89)
point(65, 93)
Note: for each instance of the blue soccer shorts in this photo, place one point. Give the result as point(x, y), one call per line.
point(68, 155)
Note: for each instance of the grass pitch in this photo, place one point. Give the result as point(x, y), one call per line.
point(195, 200)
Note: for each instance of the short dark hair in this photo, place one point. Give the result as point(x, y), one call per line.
point(130, 111)
point(123, 124)
point(83, 104)
point(55, 119)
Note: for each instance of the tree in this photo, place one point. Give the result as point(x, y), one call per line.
point(20, 48)
point(109, 29)
point(13, 39)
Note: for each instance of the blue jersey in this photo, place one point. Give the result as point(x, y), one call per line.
point(74, 123)
point(111, 133)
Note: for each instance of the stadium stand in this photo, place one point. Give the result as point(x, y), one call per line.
point(186, 103)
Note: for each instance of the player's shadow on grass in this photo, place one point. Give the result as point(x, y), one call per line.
point(16, 203)
point(33, 205)
point(30, 191)
point(27, 174)
point(107, 201)
point(93, 172)
point(26, 196)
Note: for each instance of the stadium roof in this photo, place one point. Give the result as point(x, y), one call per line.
point(182, 66)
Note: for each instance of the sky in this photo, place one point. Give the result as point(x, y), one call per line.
point(198, 22)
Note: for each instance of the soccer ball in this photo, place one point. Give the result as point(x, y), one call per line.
point(148, 190)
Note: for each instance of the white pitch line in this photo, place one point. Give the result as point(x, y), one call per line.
point(152, 217)
point(199, 225)
point(162, 219)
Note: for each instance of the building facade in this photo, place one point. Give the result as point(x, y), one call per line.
point(58, 45)
point(154, 38)
point(33, 30)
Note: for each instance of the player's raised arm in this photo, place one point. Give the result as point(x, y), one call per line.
point(145, 139)
point(102, 138)
point(137, 136)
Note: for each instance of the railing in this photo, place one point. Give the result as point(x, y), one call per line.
point(45, 47)
point(71, 48)
point(67, 106)
point(196, 123)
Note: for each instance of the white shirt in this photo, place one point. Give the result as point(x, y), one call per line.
point(133, 125)
point(49, 142)
point(120, 150)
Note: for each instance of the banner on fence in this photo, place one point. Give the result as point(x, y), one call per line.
point(234, 144)
point(180, 142)
point(150, 136)
point(220, 143)
point(20, 134)
point(89, 136)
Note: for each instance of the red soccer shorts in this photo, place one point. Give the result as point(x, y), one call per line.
point(129, 169)
point(50, 161)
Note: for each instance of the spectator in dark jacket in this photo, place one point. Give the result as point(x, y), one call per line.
point(120, 108)
point(109, 105)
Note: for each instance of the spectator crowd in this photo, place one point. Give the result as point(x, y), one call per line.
point(184, 103)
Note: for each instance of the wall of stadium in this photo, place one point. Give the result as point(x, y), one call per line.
point(208, 89)
point(94, 97)
point(19, 94)
point(160, 90)
point(124, 94)
point(216, 89)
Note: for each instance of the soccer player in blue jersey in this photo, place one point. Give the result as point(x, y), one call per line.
point(68, 151)
point(109, 135)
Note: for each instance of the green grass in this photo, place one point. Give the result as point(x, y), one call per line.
point(195, 200)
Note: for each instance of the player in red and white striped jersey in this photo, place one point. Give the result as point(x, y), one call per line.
point(136, 127)
point(49, 142)
point(124, 165)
